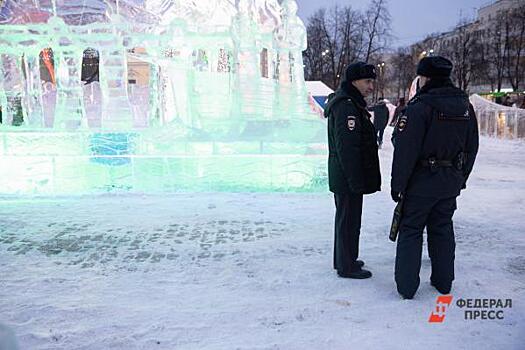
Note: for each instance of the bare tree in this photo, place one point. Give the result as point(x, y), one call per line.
point(335, 39)
point(514, 27)
point(493, 51)
point(352, 40)
point(342, 35)
point(462, 51)
point(377, 27)
point(402, 72)
point(313, 57)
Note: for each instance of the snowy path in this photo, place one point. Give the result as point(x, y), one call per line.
point(253, 271)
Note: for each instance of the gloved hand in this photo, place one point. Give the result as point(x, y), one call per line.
point(396, 196)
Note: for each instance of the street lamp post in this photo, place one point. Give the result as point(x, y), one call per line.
point(325, 55)
point(381, 67)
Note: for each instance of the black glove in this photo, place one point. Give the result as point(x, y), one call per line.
point(396, 196)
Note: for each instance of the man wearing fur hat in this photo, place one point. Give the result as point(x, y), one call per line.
point(353, 164)
point(436, 142)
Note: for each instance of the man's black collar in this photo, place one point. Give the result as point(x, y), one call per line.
point(354, 93)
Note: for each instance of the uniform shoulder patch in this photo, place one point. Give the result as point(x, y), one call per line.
point(402, 123)
point(350, 121)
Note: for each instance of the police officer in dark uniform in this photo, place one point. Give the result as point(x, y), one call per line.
point(436, 144)
point(353, 163)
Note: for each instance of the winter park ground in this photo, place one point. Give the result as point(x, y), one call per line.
point(253, 271)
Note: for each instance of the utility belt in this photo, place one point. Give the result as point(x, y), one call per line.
point(434, 164)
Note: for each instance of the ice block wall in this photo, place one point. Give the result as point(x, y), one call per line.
point(156, 95)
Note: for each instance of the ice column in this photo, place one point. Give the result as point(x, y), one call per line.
point(68, 62)
point(116, 113)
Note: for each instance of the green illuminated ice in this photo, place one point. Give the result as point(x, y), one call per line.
point(156, 96)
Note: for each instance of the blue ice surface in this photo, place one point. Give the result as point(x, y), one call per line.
point(106, 146)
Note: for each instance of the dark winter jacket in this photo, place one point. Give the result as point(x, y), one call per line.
point(381, 114)
point(439, 123)
point(353, 162)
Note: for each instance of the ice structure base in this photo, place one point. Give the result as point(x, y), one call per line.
point(66, 163)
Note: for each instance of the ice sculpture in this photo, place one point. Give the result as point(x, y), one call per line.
point(155, 95)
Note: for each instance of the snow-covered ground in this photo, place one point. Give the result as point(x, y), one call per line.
point(253, 271)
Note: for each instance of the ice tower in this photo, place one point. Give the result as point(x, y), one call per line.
point(155, 96)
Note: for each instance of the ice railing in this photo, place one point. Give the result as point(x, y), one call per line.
point(497, 120)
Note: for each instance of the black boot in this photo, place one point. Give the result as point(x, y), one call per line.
point(356, 274)
point(358, 263)
point(441, 289)
point(405, 297)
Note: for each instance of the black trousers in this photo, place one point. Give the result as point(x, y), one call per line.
point(349, 207)
point(436, 215)
point(379, 134)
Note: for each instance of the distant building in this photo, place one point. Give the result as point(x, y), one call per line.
point(477, 33)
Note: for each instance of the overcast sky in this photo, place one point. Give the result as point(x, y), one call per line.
point(411, 19)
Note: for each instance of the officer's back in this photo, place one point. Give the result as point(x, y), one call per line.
point(439, 125)
point(436, 143)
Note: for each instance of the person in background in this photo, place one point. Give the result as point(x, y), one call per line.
point(380, 120)
point(522, 106)
point(507, 101)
